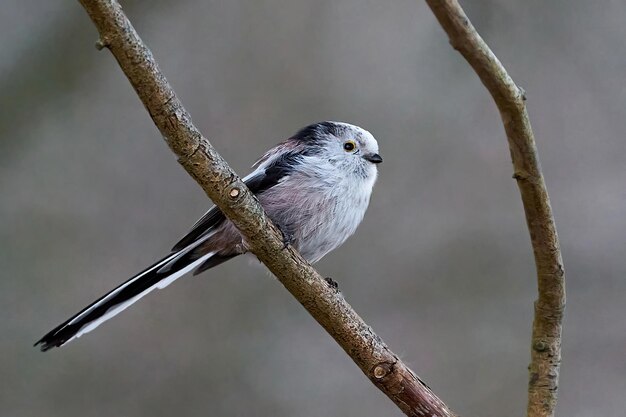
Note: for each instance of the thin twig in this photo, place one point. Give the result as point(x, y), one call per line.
point(549, 307)
point(230, 194)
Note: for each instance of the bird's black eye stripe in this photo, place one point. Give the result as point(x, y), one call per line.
point(349, 146)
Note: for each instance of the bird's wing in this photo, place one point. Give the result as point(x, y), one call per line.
point(271, 169)
point(288, 146)
point(211, 219)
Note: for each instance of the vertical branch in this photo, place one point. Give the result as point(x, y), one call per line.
point(510, 100)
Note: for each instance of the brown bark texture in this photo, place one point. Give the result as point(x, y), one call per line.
point(550, 304)
point(323, 301)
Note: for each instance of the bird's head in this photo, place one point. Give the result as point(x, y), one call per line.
point(343, 145)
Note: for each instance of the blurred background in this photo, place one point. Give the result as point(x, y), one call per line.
point(441, 267)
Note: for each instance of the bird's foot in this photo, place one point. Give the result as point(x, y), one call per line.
point(288, 238)
point(332, 283)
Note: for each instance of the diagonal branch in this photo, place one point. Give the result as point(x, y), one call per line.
point(549, 307)
point(230, 194)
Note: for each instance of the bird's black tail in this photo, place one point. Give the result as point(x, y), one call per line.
point(159, 275)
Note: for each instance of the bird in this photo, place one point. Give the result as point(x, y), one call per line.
point(315, 186)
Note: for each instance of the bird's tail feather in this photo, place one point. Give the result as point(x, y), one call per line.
point(159, 275)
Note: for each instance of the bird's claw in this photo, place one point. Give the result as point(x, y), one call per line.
point(288, 238)
point(332, 283)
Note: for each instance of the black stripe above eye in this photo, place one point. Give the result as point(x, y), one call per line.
point(317, 133)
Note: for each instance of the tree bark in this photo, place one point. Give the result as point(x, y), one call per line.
point(550, 304)
point(230, 194)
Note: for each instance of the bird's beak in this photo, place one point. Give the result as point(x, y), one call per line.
point(373, 158)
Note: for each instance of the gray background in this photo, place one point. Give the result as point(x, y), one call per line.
point(441, 267)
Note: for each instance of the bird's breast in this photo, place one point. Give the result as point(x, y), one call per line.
point(334, 213)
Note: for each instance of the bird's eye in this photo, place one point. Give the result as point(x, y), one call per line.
point(349, 146)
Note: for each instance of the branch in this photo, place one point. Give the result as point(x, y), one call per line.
point(549, 307)
point(230, 194)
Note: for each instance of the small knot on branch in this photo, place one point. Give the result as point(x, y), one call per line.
point(522, 93)
point(102, 43)
point(521, 175)
point(540, 346)
point(382, 370)
point(234, 193)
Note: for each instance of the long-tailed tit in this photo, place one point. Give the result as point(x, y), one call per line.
point(315, 186)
